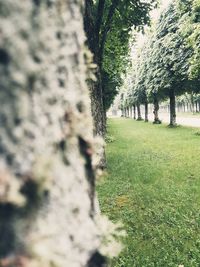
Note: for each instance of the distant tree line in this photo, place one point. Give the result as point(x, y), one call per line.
point(168, 65)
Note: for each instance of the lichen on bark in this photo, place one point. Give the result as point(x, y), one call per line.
point(46, 140)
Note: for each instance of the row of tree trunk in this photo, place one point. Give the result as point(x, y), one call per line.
point(134, 111)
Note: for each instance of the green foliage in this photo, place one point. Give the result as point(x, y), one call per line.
point(126, 15)
point(170, 58)
point(154, 189)
point(109, 138)
point(110, 88)
point(190, 29)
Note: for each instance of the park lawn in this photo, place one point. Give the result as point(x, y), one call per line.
point(152, 185)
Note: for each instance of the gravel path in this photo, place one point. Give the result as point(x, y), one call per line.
point(186, 121)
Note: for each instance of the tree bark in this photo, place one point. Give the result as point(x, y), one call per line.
point(134, 112)
point(172, 108)
point(146, 112)
point(96, 89)
point(196, 106)
point(184, 106)
point(47, 180)
point(125, 115)
point(97, 108)
point(139, 118)
point(131, 112)
point(156, 109)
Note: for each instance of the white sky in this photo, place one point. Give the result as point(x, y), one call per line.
point(155, 13)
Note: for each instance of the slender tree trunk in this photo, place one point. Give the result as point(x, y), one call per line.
point(172, 108)
point(196, 105)
point(46, 146)
point(139, 118)
point(178, 107)
point(134, 112)
point(187, 106)
point(192, 103)
point(131, 109)
point(128, 112)
point(183, 105)
point(156, 109)
point(146, 112)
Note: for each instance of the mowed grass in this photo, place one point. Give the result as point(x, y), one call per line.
point(152, 185)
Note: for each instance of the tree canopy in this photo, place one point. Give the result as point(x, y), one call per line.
point(108, 24)
point(168, 63)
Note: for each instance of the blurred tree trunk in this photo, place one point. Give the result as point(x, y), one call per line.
point(192, 103)
point(134, 112)
point(46, 175)
point(125, 112)
point(172, 108)
point(139, 118)
point(155, 112)
point(146, 111)
point(131, 111)
point(196, 106)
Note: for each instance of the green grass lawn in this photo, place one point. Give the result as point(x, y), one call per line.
point(152, 185)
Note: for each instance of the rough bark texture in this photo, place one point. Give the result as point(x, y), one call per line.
point(96, 88)
point(155, 112)
point(98, 114)
point(172, 108)
point(46, 142)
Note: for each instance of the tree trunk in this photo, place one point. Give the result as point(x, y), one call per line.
point(96, 88)
point(98, 114)
point(172, 108)
point(146, 112)
point(131, 112)
point(156, 109)
point(134, 112)
point(47, 211)
point(183, 105)
point(196, 105)
point(139, 118)
point(192, 103)
point(187, 106)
